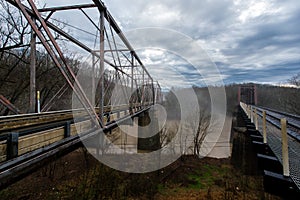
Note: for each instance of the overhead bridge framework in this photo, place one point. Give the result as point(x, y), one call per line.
point(114, 61)
point(114, 70)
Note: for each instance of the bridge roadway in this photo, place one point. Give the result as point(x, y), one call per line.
point(25, 146)
point(274, 137)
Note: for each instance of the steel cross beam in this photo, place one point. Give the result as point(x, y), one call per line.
point(9, 105)
point(61, 8)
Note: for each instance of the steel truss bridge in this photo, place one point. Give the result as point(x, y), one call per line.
point(119, 88)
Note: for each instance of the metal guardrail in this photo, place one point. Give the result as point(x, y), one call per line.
point(274, 118)
point(14, 168)
point(15, 122)
point(48, 133)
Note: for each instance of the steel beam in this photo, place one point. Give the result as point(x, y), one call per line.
point(4, 101)
point(32, 104)
point(101, 105)
point(62, 8)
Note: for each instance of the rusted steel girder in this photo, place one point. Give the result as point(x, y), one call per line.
point(4, 101)
point(72, 7)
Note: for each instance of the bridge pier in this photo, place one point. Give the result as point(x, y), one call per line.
point(148, 126)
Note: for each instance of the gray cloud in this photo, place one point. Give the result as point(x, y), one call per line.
point(248, 40)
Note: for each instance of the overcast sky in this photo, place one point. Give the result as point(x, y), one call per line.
point(248, 40)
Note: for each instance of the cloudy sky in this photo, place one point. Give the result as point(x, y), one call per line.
point(249, 41)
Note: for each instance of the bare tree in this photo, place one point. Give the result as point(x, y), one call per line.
point(14, 29)
point(295, 80)
point(201, 130)
point(167, 135)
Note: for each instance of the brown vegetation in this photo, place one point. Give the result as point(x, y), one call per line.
point(79, 176)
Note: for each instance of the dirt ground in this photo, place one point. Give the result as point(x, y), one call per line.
point(79, 176)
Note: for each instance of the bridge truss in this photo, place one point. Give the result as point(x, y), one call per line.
point(112, 85)
point(113, 68)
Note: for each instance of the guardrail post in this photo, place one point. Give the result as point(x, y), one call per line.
point(256, 118)
point(264, 126)
point(285, 149)
point(251, 114)
point(67, 129)
point(248, 111)
point(12, 145)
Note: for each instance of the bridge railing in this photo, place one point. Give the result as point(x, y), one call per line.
point(24, 139)
point(283, 143)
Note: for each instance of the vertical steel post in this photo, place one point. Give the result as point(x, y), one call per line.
point(153, 92)
point(132, 61)
point(264, 126)
point(100, 137)
point(143, 85)
point(285, 149)
point(93, 78)
point(101, 65)
point(32, 104)
point(131, 98)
